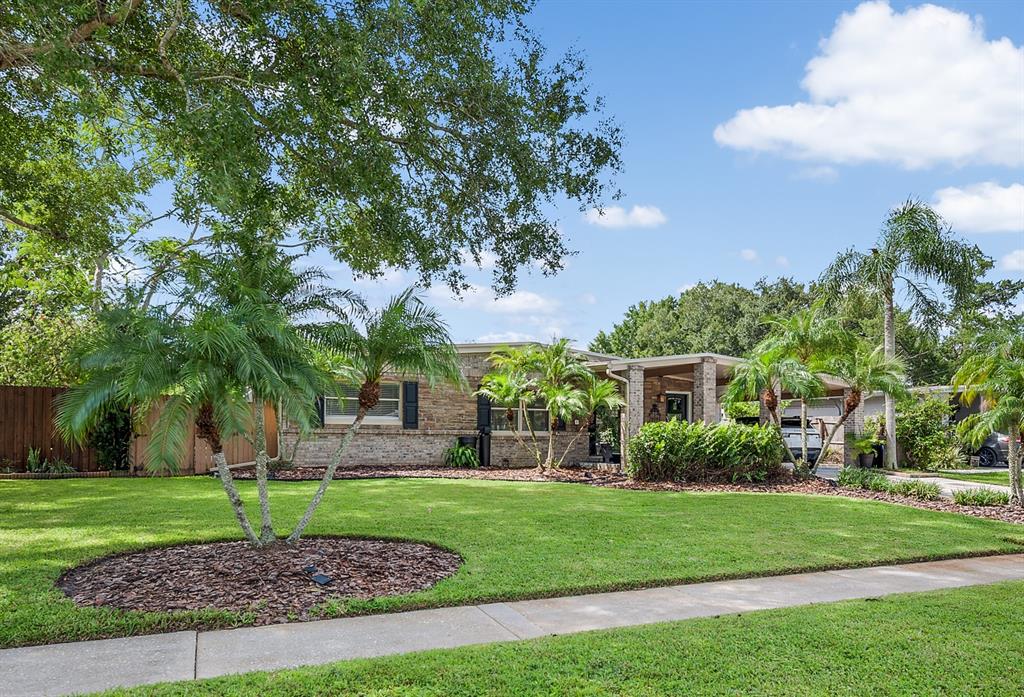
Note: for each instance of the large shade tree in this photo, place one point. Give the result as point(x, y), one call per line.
point(392, 134)
point(994, 372)
point(915, 249)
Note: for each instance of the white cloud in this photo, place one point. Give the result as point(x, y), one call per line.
point(1014, 261)
point(782, 261)
point(502, 337)
point(823, 173)
point(685, 287)
point(749, 255)
point(588, 299)
point(618, 217)
point(477, 297)
point(985, 207)
point(918, 88)
point(487, 259)
point(389, 278)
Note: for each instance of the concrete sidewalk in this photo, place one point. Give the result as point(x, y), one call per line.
point(97, 665)
point(947, 487)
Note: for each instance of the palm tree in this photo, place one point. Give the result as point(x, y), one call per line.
point(202, 367)
point(994, 371)
point(863, 370)
point(811, 338)
point(914, 248)
point(765, 374)
point(595, 394)
point(405, 337)
point(555, 376)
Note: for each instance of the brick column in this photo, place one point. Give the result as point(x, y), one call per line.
point(854, 426)
point(633, 414)
point(705, 392)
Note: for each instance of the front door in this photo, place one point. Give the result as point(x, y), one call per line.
point(677, 406)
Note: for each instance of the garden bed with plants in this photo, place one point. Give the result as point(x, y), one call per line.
point(277, 583)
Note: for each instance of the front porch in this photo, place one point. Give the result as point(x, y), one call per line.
point(689, 387)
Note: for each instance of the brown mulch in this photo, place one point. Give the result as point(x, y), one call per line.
point(268, 582)
point(610, 478)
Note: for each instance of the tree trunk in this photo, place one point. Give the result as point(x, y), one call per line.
point(549, 462)
point(803, 429)
point(328, 475)
point(262, 458)
point(771, 403)
point(1016, 492)
point(584, 427)
point(828, 440)
point(889, 343)
point(97, 282)
point(228, 482)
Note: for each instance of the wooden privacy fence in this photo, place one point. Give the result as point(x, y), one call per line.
point(26, 421)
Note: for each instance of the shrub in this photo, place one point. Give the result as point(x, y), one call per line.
point(929, 441)
point(872, 480)
point(34, 462)
point(460, 455)
point(981, 497)
point(111, 439)
point(680, 451)
point(57, 466)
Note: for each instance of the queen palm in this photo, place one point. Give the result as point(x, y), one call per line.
point(994, 372)
point(513, 390)
point(811, 338)
point(864, 370)
point(915, 248)
point(201, 368)
point(404, 337)
point(766, 374)
point(595, 394)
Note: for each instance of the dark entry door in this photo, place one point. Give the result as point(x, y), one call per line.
point(677, 406)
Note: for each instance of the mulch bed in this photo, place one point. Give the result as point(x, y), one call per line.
point(268, 582)
point(617, 480)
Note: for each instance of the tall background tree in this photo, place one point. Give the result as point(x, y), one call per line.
point(915, 249)
point(391, 134)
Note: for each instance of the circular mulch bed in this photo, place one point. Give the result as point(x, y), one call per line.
point(271, 582)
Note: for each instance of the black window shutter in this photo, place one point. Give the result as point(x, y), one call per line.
point(319, 420)
point(483, 412)
point(410, 405)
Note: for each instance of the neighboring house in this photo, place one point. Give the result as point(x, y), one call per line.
point(414, 423)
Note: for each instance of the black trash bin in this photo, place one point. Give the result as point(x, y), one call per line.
point(468, 441)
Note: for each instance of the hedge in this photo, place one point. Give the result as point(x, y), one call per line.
point(684, 452)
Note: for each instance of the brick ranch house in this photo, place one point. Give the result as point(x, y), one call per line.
point(415, 424)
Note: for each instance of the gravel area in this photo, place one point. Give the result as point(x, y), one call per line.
point(270, 582)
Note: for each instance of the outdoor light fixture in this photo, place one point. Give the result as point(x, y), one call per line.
point(655, 413)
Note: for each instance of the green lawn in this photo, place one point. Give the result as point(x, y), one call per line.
point(959, 642)
point(1002, 477)
point(517, 539)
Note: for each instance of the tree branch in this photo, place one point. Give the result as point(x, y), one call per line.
point(15, 220)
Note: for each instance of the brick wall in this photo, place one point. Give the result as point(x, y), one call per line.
point(444, 414)
point(653, 386)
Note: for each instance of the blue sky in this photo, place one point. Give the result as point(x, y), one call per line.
point(901, 101)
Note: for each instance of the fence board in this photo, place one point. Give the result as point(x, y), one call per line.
point(26, 420)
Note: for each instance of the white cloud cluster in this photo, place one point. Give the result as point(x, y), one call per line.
point(477, 297)
point(984, 207)
point(619, 217)
point(917, 88)
point(749, 255)
point(1014, 261)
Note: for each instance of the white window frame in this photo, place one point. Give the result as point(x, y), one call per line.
point(521, 427)
point(689, 403)
point(374, 420)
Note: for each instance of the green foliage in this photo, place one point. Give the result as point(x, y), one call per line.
point(694, 452)
point(716, 317)
point(38, 351)
point(873, 480)
point(459, 455)
point(34, 462)
point(981, 497)
point(924, 431)
point(111, 439)
point(739, 409)
point(434, 128)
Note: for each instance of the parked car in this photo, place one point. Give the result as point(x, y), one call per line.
point(995, 451)
point(791, 434)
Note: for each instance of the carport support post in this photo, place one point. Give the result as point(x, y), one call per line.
point(634, 410)
point(705, 391)
point(853, 428)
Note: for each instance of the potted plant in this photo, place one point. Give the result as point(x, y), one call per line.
point(864, 446)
